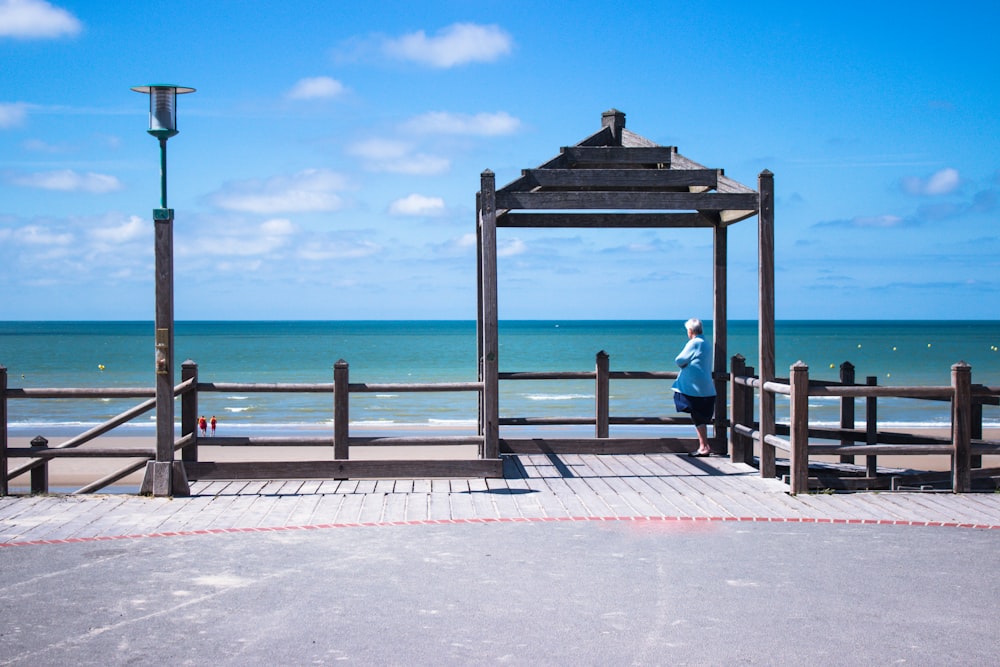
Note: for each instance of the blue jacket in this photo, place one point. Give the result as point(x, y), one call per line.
point(695, 360)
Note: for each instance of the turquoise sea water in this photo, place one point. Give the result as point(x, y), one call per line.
point(72, 354)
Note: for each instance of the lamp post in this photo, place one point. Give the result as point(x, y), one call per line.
point(163, 478)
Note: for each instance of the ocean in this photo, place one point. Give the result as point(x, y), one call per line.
point(120, 354)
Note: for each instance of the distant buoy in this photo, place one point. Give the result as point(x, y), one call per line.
point(893, 348)
point(928, 344)
point(100, 367)
point(859, 346)
point(831, 365)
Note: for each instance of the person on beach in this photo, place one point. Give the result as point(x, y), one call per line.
point(203, 425)
point(212, 423)
point(694, 390)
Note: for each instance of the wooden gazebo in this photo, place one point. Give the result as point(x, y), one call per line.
point(618, 179)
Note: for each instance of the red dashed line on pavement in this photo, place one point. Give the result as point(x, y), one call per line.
point(439, 522)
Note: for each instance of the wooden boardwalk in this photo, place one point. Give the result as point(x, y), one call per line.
point(536, 488)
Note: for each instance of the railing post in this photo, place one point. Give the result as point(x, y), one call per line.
point(748, 407)
point(602, 392)
point(871, 428)
point(3, 431)
point(961, 427)
point(40, 474)
point(799, 417)
point(341, 412)
point(189, 410)
point(846, 408)
point(976, 460)
point(737, 443)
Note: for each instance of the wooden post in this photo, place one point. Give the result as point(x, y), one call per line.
point(479, 312)
point(846, 408)
point(40, 474)
point(748, 417)
point(961, 427)
point(614, 120)
point(765, 320)
point(871, 428)
point(602, 393)
point(799, 463)
point(490, 356)
point(159, 473)
point(737, 443)
point(189, 410)
point(720, 320)
point(3, 431)
point(341, 410)
point(976, 461)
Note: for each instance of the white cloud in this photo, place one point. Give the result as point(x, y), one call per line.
point(480, 124)
point(29, 19)
point(308, 190)
point(322, 249)
point(67, 180)
point(417, 204)
point(397, 157)
point(457, 44)
point(941, 182)
point(40, 236)
point(319, 87)
point(130, 230)
point(511, 248)
point(12, 114)
point(877, 221)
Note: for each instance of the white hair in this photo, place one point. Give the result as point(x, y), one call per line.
point(693, 325)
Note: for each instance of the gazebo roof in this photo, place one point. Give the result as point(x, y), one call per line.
point(617, 178)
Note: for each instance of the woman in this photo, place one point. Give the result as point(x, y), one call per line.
point(694, 390)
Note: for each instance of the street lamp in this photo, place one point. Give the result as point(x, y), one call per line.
point(163, 478)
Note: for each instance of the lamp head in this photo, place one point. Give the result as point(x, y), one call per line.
point(162, 107)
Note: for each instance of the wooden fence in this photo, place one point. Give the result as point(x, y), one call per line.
point(341, 466)
point(965, 444)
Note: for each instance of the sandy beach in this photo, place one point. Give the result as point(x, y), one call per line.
point(68, 474)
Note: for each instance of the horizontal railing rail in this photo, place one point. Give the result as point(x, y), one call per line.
point(965, 444)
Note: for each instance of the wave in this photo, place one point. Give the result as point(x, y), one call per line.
point(558, 397)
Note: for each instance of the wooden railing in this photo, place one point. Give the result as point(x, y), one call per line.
point(965, 444)
point(341, 465)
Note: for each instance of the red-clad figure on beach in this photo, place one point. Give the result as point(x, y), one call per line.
point(212, 423)
point(203, 424)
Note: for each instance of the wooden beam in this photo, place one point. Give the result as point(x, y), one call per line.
point(604, 220)
point(590, 155)
point(614, 178)
point(671, 201)
point(353, 468)
point(596, 445)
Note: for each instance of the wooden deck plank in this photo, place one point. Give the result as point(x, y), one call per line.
point(416, 506)
point(372, 507)
point(326, 510)
point(614, 474)
point(394, 508)
point(649, 485)
point(438, 504)
point(350, 510)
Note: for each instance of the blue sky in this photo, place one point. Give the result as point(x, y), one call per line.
point(326, 167)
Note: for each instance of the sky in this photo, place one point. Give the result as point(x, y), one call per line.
point(327, 165)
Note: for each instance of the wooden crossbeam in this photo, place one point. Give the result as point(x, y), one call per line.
point(584, 155)
point(676, 201)
point(615, 178)
point(604, 220)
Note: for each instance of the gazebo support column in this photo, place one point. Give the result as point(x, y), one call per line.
point(489, 360)
point(765, 318)
point(719, 333)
